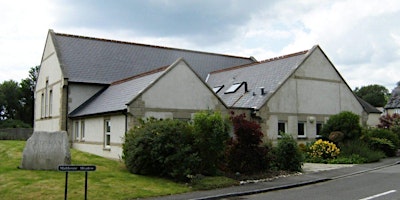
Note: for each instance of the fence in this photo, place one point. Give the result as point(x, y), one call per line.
point(15, 133)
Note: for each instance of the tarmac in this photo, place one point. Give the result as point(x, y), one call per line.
point(312, 173)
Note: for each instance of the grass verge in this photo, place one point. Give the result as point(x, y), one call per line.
point(111, 180)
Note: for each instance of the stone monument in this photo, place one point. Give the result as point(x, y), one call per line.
point(46, 151)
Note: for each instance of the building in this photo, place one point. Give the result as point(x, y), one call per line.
point(393, 105)
point(97, 89)
point(76, 71)
point(294, 93)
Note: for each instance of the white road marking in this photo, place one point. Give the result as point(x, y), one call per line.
point(378, 195)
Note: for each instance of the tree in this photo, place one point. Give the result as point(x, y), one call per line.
point(17, 99)
point(375, 95)
point(211, 134)
point(245, 154)
point(27, 90)
point(10, 96)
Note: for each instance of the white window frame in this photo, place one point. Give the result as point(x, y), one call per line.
point(107, 134)
point(50, 102)
point(76, 130)
point(233, 88)
point(83, 130)
point(216, 89)
point(316, 127)
point(46, 99)
point(285, 127)
point(304, 124)
point(42, 115)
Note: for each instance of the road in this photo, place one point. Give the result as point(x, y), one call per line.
point(382, 184)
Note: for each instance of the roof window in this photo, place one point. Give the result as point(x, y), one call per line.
point(216, 89)
point(233, 88)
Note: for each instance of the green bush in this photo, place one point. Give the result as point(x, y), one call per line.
point(244, 153)
point(13, 123)
point(350, 159)
point(288, 154)
point(211, 132)
point(383, 140)
point(346, 122)
point(162, 148)
point(362, 149)
point(384, 145)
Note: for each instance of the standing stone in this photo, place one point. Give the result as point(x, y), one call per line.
point(46, 151)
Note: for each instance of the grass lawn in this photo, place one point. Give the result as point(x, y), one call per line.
point(111, 180)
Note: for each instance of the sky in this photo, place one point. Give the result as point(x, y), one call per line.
point(360, 37)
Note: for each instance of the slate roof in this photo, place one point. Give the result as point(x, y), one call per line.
point(394, 101)
point(368, 107)
point(117, 95)
point(269, 74)
point(94, 60)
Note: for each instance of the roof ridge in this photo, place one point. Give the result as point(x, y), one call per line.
point(149, 45)
point(140, 75)
point(262, 61)
point(284, 56)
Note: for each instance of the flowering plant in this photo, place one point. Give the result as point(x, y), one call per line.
point(323, 149)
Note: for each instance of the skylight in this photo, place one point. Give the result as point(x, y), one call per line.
point(217, 88)
point(233, 88)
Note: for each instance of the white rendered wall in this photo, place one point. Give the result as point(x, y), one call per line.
point(94, 136)
point(180, 89)
point(79, 93)
point(49, 71)
point(315, 91)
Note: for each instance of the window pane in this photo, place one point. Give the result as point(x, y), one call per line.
point(108, 139)
point(217, 88)
point(76, 130)
point(319, 128)
point(300, 129)
point(233, 88)
point(281, 128)
point(83, 129)
point(108, 126)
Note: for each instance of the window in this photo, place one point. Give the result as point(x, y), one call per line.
point(46, 100)
point(233, 88)
point(76, 130)
point(301, 130)
point(42, 106)
point(217, 88)
point(82, 130)
point(107, 133)
point(50, 102)
point(319, 128)
point(281, 127)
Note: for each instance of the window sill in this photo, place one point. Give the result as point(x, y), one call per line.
point(107, 149)
point(301, 137)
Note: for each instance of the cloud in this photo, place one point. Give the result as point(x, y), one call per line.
point(362, 38)
point(202, 22)
point(22, 36)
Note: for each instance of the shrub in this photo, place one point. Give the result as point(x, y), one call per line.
point(324, 150)
point(346, 122)
point(362, 149)
point(382, 139)
point(162, 148)
point(288, 155)
point(350, 159)
point(244, 152)
point(13, 123)
point(211, 134)
point(391, 122)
